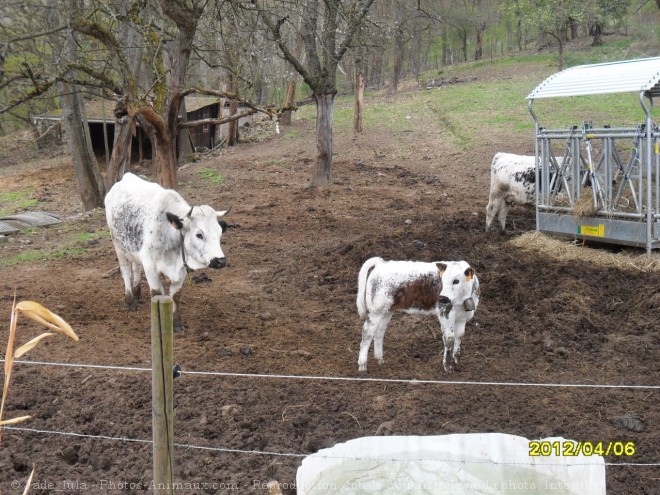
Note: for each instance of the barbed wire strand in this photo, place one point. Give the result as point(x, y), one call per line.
point(298, 455)
point(350, 379)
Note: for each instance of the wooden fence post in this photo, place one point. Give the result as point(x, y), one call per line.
point(162, 404)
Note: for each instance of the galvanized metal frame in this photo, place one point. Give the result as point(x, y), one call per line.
point(614, 217)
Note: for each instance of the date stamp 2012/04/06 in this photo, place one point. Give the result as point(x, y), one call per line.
point(569, 448)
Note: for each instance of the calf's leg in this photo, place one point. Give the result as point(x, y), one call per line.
point(448, 340)
point(368, 332)
point(380, 336)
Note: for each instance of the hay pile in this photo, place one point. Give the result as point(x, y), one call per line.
point(561, 250)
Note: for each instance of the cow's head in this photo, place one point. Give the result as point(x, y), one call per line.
point(201, 231)
point(458, 285)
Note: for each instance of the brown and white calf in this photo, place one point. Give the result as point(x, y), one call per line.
point(447, 289)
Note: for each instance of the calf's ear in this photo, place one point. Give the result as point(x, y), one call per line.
point(469, 273)
point(441, 267)
point(174, 220)
point(223, 225)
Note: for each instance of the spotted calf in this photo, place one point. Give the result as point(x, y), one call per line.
point(447, 289)
point(512, 182)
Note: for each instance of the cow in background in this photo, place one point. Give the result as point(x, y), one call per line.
point(512, 182)
point(156, 229)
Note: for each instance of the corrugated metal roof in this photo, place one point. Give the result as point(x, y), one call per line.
point(614, 77)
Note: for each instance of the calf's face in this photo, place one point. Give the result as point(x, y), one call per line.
point(456, 283)
point(201, 231)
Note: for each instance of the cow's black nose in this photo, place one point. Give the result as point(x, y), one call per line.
point(218, 263)
point(444, 300)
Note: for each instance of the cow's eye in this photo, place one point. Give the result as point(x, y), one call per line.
point(455, 281)
point(200, 235)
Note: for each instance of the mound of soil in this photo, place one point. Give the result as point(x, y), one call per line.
point(286, 305)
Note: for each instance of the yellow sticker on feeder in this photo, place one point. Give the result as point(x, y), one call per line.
point(592, 230)
point(656, 147)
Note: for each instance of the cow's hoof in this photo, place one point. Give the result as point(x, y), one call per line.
point(179, 328)
point(362, 367)
point(380, 361)
point(132, 306)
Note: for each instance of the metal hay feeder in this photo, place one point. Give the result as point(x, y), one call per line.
point(586, 166)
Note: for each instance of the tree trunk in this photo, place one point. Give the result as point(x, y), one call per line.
point(398, 61)
point(232, 127)
point(290, 101)
point(597, 33)
point(323, 171)
point(164, 161)
point(479, 50)
point(88, 175)
point(185, 148)
point(120, 158)
point(359, 97)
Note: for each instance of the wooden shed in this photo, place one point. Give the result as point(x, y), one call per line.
point(101, 123)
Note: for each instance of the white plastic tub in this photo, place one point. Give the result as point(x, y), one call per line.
point(474, 464)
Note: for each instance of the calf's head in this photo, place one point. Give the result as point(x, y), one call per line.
point(201, 231)
point(457, 284)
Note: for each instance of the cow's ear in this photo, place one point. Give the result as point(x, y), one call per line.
point(223, 225)
point(222, 213)
point(441, 267)
point(469, 273)
point(174, 220)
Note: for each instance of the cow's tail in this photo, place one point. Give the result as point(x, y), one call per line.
point(362, 284)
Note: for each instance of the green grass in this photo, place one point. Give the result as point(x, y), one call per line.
point(34, 255)
point(15, 201)
point(279, 162)
point(292, 134)
point(211, 176)
point(492, 103)
point(83, 237)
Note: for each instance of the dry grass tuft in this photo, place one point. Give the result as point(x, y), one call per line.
point(584, 207)
point(569, 251)
point(41, 315)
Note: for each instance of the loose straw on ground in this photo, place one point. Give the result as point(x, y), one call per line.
point(563, 250)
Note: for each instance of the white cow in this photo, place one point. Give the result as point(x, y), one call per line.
point(156, 229)
point(512, 181)
point(448, 289)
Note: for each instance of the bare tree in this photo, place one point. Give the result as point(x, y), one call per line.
point(328, 28)
point(88, 175)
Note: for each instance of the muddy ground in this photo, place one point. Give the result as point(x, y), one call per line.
point(286, 305)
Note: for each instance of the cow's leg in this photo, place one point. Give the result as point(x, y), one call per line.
point(175, 287)
point(504, 210)
point(125, 267)
point(380, 336)
point(368, 332)
point(136, 273)
point(178, 326)
point(492, 209)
